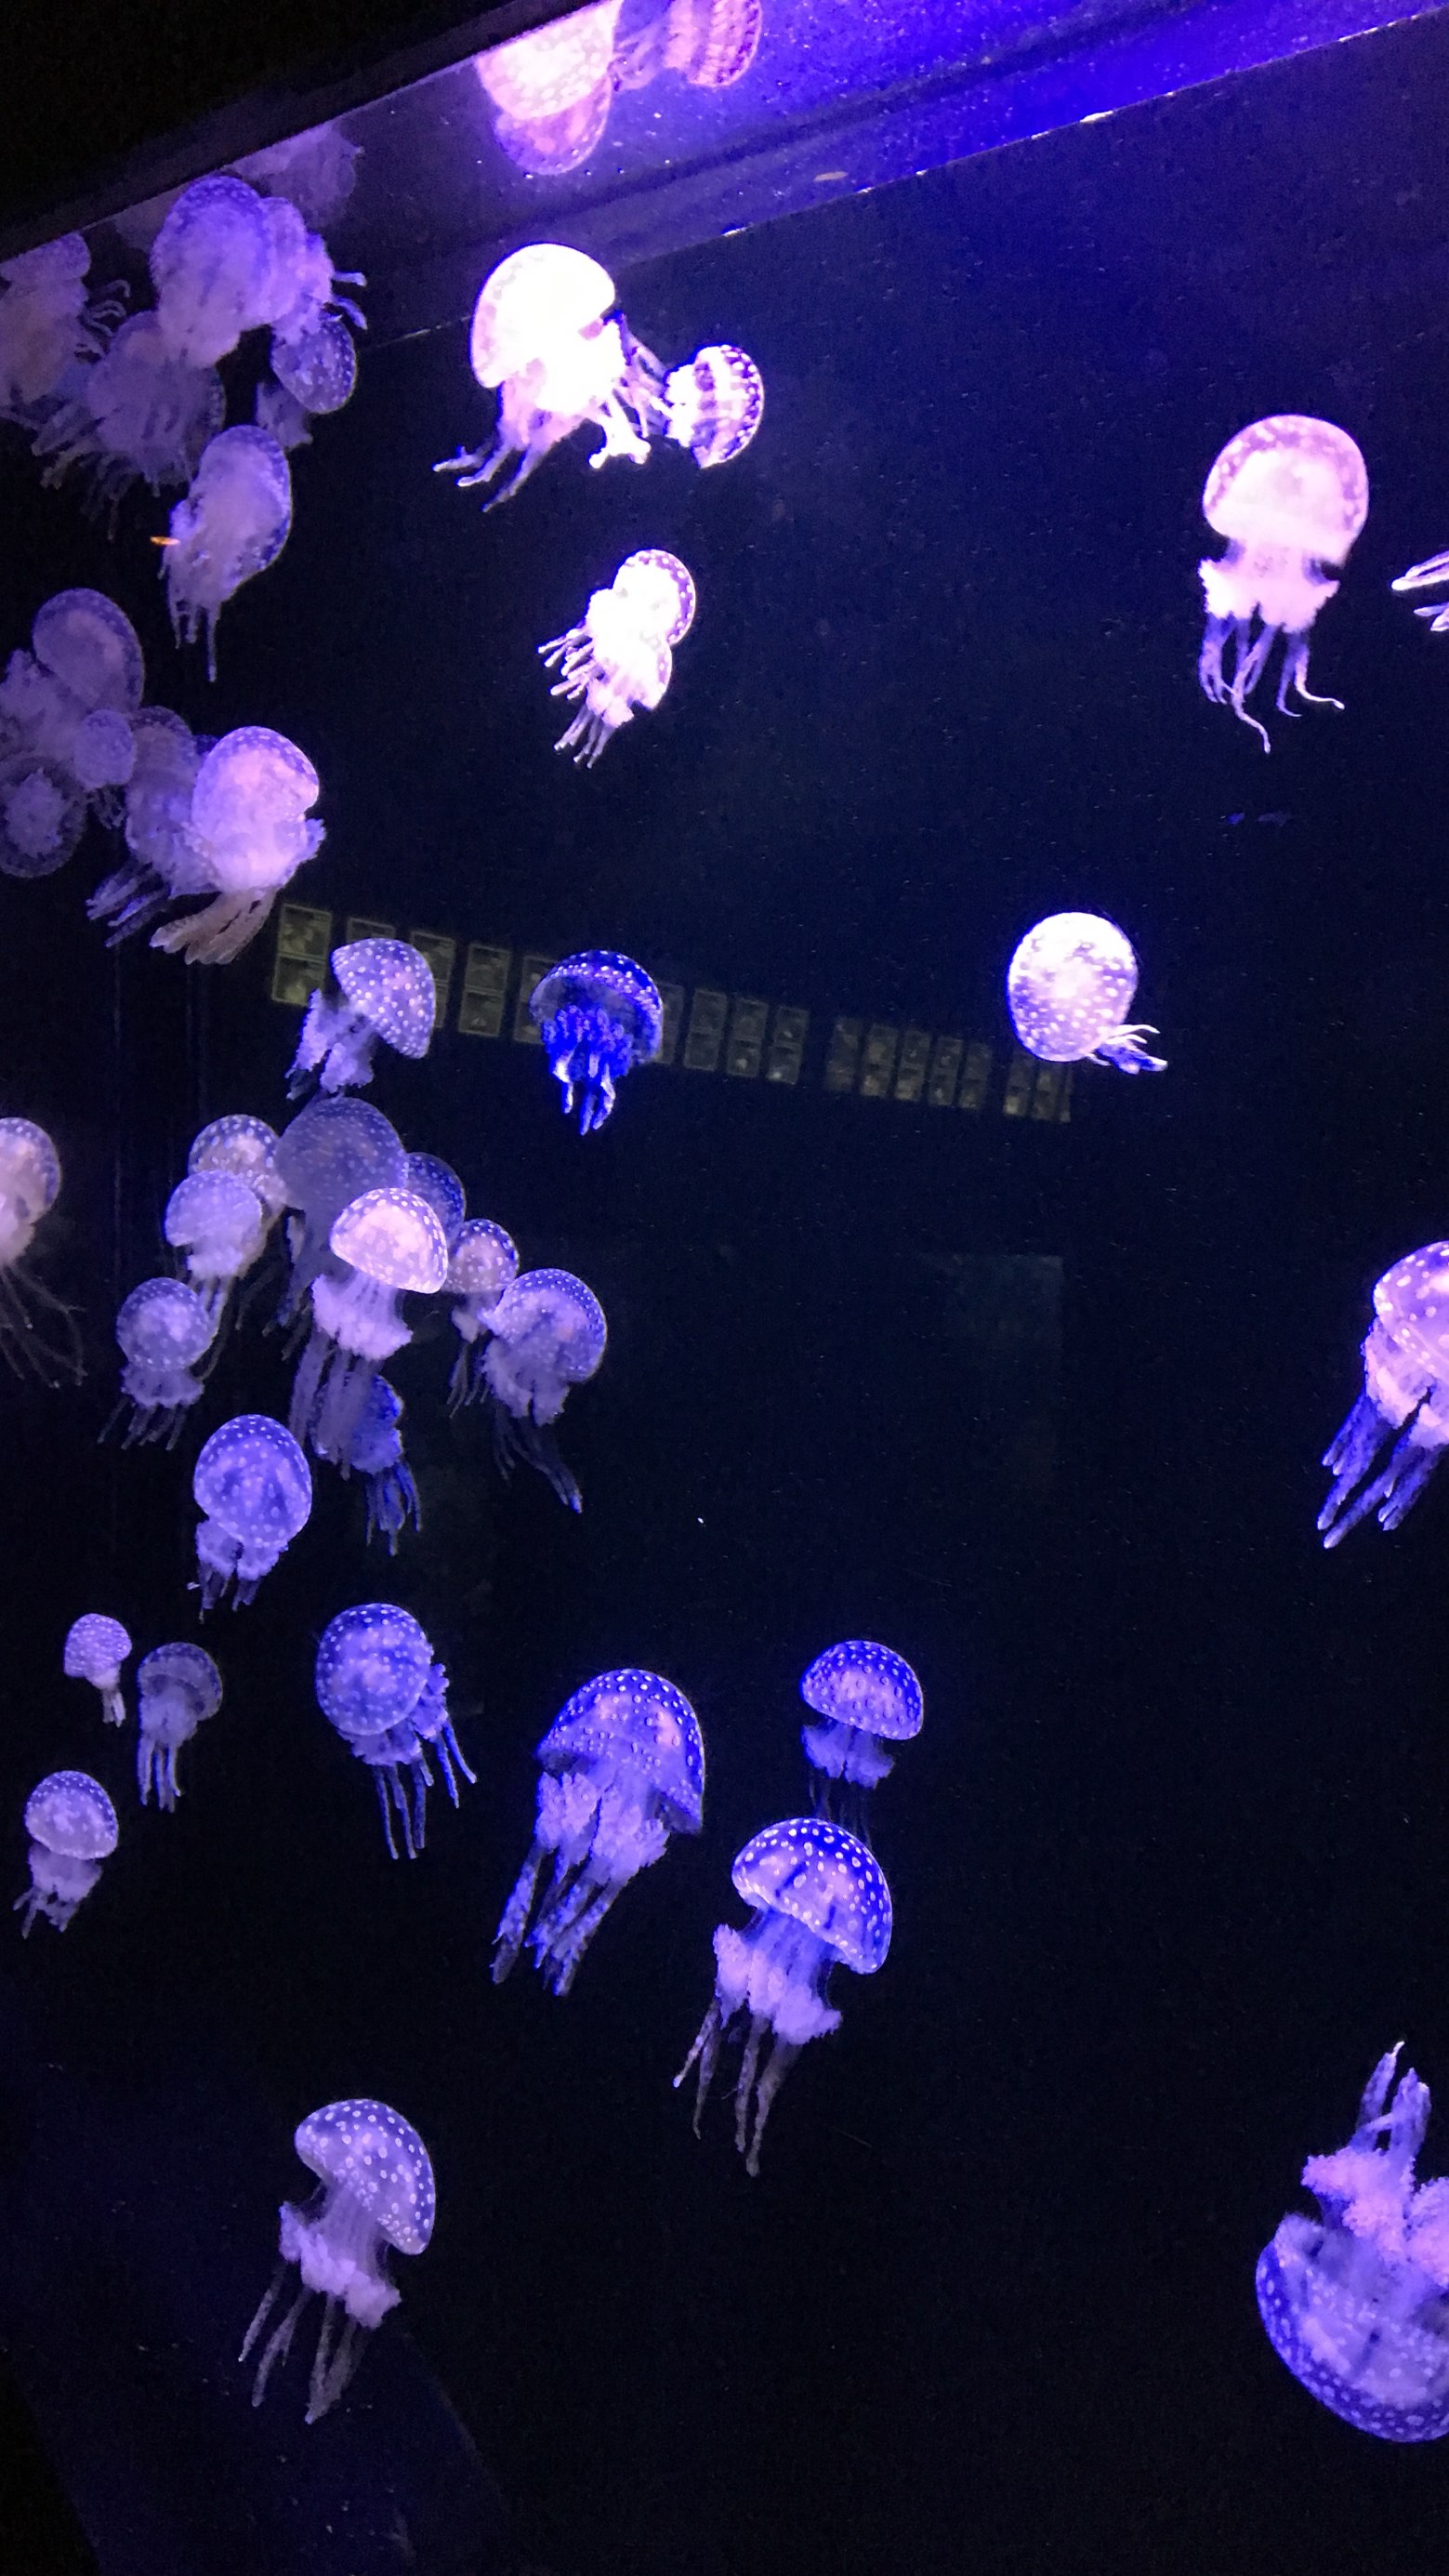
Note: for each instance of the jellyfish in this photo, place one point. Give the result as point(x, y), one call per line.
point(254, 1488)
point(551, 90)
point(243, 1146)
point(384, 1242)
point(29, 1187)
point(388, 992)
point(820, 1901)
point(430, 1178)
point(95, 1649)
point(72, 1828)
point(1069, 987)
point(211, 266)
point(1290, 495)
point(548, 1334)
point(163, 861)
point(484, 1262)
point(622, 1767)
point(220, 1224)
point(50, 328)
point(1405, 1400)
point(379, 1686)
point(375, 1452)
point(315, 171)
point(333, 1152)
point(317, 373)
point(1355, 2301)
point(66, 711)
point(177, 1686)
point(599, 1015)
point(248, 828)
point(712, 405)
point(233, 522)
point(1429, 575)
point(376, 2190)
point(139, 412)
point(163, 1329)
point(621, 657)
point(866, 1697)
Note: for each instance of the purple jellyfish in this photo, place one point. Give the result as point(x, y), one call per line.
point(375, 1452)
point(220, 1224)
point(140, 411)
point(249, 833)
point(1069, 988)
point(29, 1188)
point(484, 1263)
point(867, 1698)
point(387, 992)
point(72, 1828)
point(712, 405)
point(622, 655)
point(50, 327)
point(243, 1146)
point(384, 1242)
point(163, 1330)
point(333, 1152)
point(95, 1649)
point(599, 1015)
point(1290, 495)
point(552, 89)
point(1405, 1400)
point(548, 1334)
point(211, 266)
point(254, 1488)
point(379, 1686)
point(163, 864)
point(177, 1686)
point(234, 521)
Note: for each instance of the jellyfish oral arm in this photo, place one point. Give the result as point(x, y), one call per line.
point(1283, 593)
point(58, 1884)
point(334, 2248)
point(1124, 1048)
point(776, 1970)
point(845, 1752)
point(1396, 1393)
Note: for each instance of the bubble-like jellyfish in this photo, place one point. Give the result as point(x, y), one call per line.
point(163, 1329)
point(599, 1015)
point(1405, 1400)
point(50, 327)
point(376, 2190)
point(484, 1262)
point(866, 1698)
point(621, 657)
point(380, 1687)
point(1069, 988)
point(211, 266)
point(1290, 495)
point(547, 1334)
point(622, 1769)
point(388, 993)
point(233, 523)
point(384, 1242)
point(430, 1178)
point(37, 1330)
point(177, 1686)
point(333, 1152)
point(220, 1224)
point(248, 827)
point(1356, 2302)
point(254, 1488)
point(72, 1828)
point(95, 1649)
point(163, 863)
point(821, 1902)
point(140, 412)
point(375, 1452)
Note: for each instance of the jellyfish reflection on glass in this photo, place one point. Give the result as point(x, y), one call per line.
point(622, 655)
point(254, 1489)
point(1290, 494)
point(548, 1334)
point(37, 1330)
point(1405, 1400)
point(484, 1262)
point(72, 1828)
point(378, 1684)
point(177, 1687)
point(622, 1768)
point(821, 1901)
point(385, 1242)
point(866, 1697)
point(163, 1329)
point(388, 993)
point(598, 1015)
point(551, 90)
point(1069, 988)
point(95, 1650)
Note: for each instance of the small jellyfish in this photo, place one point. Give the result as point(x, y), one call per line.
point(712, 405)
point(29, 1187)
point(333, 1152)
point(1069, 988)
point(867, 1697)
point(377, 2190)
point(622, 656)
point(92, 647)
point(211, 266)
point(50, 329)
point(599, 1015)
point(379, 1686)
point(375, 1452)
point(821, 1901)
point(163, 862)
point(1355, 2301)
point(388, 992)
point(163, 1329)
point(622, 1769)
point(1290, 495)
point(220, 1224)
point(42, 815)
point(140, 412)
point(233, 522)
point(177, 1686)
point(384, 1242)
point(317, 370)
point(548, 1334)
point(72, 1828)
point(254, 1488)
point(484, 1262)
point(248, 828)
point(430, 1178)
point(95, 1650)
point(1405, 1400)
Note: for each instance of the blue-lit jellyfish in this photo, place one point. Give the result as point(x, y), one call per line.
point(384, 1243)
point(1069, 988)
point(233, 522)
point(484, 1263)
point(72, 1828)
point(333, 1152)
point(247, 833)
point(95, 1650)
point(599, 1015)
point(217, 1220)
point(867, 1698)
point(1357, 2302)
point(379, 1685)
point(622, 1769)
point(430, 1178)
point(375, 1453)
point(621, 656)
point(254, 1488)
point(1405, 1400)
point(388, 993)
point(376, 2190)
point(37, 1330)
point(547, 1334)
point(163, 1329)
point(1290, 494)
point(177, 1686)
point(821, 1901)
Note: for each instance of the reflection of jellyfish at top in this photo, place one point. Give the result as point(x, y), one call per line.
point(233, 523)
point(163, 1329)
point(95, 1649)
point(72, 1828)
point(29, 1187)
point(1405, 1400)
point(1069, 987)
point(709, 43)
point(1290, 495)
point(384, 1243)
point(484, 1262)
point(378, 1684)
point(821, 1901)
point(548, 1334)
point(599, 1015)
point(177, 1688)
point(622, 656)
point(551, 90)
point(1355, 2301)
point(866, 1697)
point(254, 1488)
point(388, 993)
point(50, 329)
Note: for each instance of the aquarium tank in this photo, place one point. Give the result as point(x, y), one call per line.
point(724, 1299)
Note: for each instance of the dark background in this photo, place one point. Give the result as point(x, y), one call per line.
point(1171, 1858)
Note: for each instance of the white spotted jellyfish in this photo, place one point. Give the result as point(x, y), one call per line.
point(218, 1222)
point(233, 522)
point(37, 1330)
point(177, 1687)
point(72, 1828)
point(383, 1243)
point(1069, 988)
point(140, 412)
point(254, 1489)
point(51, 328)
point(1290, 494)
point(163, 1329)
point(483, 1263)
point(379, 1684)
point(430, 1178)
point(547, 1333)
point(387, 993)
point(1405, 1400)
point(865, 1698)
point(598, 1015)
point(247, 834)
point(95, 1650)
point(621, 656)
point(163, 863)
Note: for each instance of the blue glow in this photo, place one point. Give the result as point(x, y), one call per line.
point(375, 1452)
point(72, 1828)
point(95, 1649)
point(1405, 1400)
point(163, 1329)
point(864, 1693)
point(378, 1685)
point(177, 1688)
point(548, 1334)
point(255, 1488)
point(599, 1015)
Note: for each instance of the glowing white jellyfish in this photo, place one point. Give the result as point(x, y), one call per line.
point(599, 1015)
point(1069, 988)
point(333, 1152)
point(379, 1684)
point(622, 1768)
point(547, 1334)
point(1290, 494)
point(50, 328)
point(163, 1329)
point(376, 2190)
point(140, 412)
point(866, 1698)
point(622, 656)
point(384, 1242)
point(1405, 1400)
point(72, 1828)
point(177, 1688)
point(232, 524)
point(95, 1650)
point(220, 1224)
point(249, 832)
point(254, 1488)
point(484, 1262)
point(37, 1331)
point(388, 993)
point(163, 863)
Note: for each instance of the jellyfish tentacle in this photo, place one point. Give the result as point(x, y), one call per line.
point(745, 2087)
point(781, 2058)
point(317, 2382)
point(280, 2341)
point(706, 2050)
point(513, 1925)
point(382, 1800)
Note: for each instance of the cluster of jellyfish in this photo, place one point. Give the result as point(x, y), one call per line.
point(178, 1686)
point(550, 92)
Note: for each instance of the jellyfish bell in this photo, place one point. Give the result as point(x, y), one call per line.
point(244, 1146)
point(90, 644)
point(177, 1688)
point(42, 815)
point(385, 1242)
point(534, 301)
point(388, 994)
point(1405, 1400)
point(332, 1152)
point(319, 368)
point(163, 1329)
point(484, 1262)
point(599, 1015)
point(1290, 494)
point(72, 1827)
point(95, 1650)
point(254, 1489)
point(551, 90)
point(867, 1697)
point(1069, 987)
point(430, 1178)
point(548, 1334)
point(211, 265)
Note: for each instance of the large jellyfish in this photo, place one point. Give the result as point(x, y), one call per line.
point(1069, 988)
point(72, 1828)
point(29, 1312)
point(385, 1242)
point(622, 1769)
point(254, 1488)
point(388, 992)
point(820, 1901)
point(220, 1224)
point(1290, 495)
point(378, 1684)
point(248, 827)
point(163, 861)
point(177, 1686)
point(599, 1015)
point(95, 1649)
point(233, 522)
point(140, 411)
point(484, 1262)
point(163, 1329)
point(376, 2190)
point(50, 327)
point(333, 1152)
point(548, 1334)
point(866, 1697)
point(621, 656)
point(1405, 1400)
point(1357, 2302)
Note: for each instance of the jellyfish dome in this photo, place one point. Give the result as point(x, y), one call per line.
point(540, 336)
point(319, 367)
point(90, 644)
point(163, 1329)
point(249, 832)
point(599, 1015)
point(621, 657)
point(622, 1767)
point(243, 1146)
point(552, 90)
point(254, 1487)
point(1405, 1400)
point(141, 412)
point(430, 1178)
point(484, 1262)
point(867, 1697)
point(376, 2191)
point(332, 1153)
point(537, 299)
point(380, 1687)
point(95, 1649)
point(211, 265)
point(220, 1224)
point(233, 523)
point(1290, 494)
point(388, 993)
point(548, 1334)
point(177, 1687)
point(72, 1828)
point(103, 751)
point(1069, 987)
point(714, 404)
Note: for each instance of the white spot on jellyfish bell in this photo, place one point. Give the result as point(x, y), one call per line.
point(1405, 1400)
point(72, 1828)
point(254, 1487)
point(1069, 988)
point(1290, 494)
point(621, 657)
